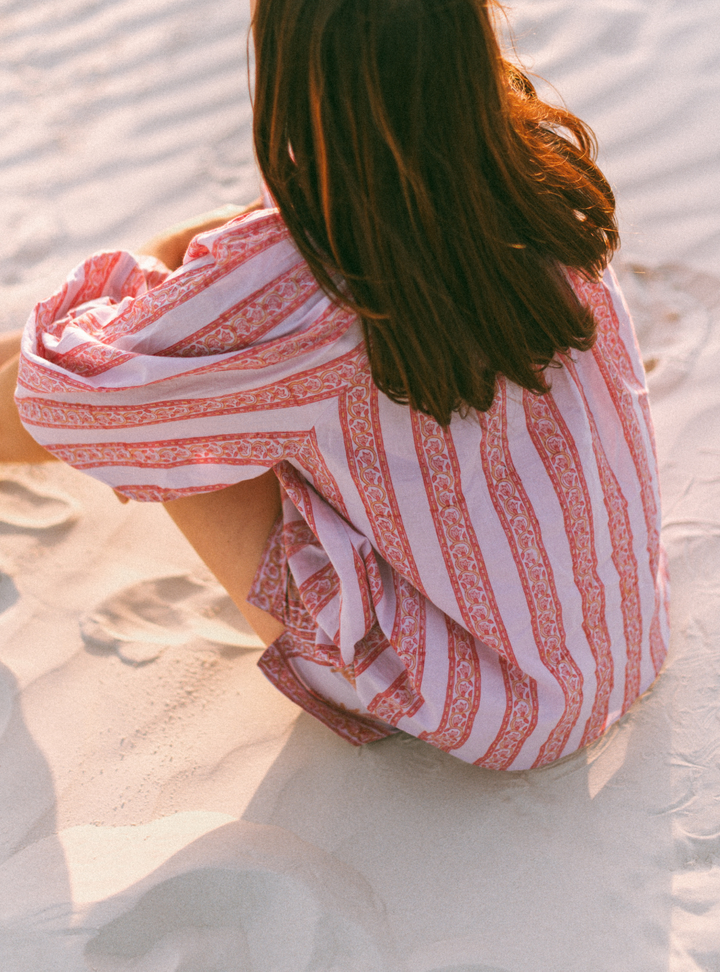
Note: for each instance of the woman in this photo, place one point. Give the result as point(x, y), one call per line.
point(420, 340)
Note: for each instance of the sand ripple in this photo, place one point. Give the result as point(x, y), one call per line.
point(140, 621)
point(28, 503)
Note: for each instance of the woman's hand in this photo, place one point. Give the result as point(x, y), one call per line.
point(170, 245)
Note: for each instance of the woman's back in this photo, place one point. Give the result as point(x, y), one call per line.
point(496, 587)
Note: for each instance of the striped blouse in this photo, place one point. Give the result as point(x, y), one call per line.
point(497, 588)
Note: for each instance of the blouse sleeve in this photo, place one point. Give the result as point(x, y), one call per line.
point(164, 384)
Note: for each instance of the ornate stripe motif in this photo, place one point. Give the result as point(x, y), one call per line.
point(269, 587)
point(36, 376)
point(304, 646)
point(408, 640)
point(301, 495)
point(305, 632)
point(243, 449)
point(48, 317)
point(610, 347)
point(519, 719)
point(148, 493)
point(96, 272)
point(244, 241)
point(467, 572)
point(230, 252)
point(396, 701)
point(304, 388)
point(298, 492)
point(363, 587)
point(368, 466)
point(665, 607)
point(462, 698)
point(303, 448)
point(658, 648)
point(623, 556)
point(296, 536)
point(374, 579)
point(559, 455)
point(328, 328)
point(93, 320)
point(523, 533)
point(318, 590)
point(409, 634)
point(252, 318)
point(276, 666)
point(90, 359)
point(274, 590)
point(235, 449)
point(369, 649)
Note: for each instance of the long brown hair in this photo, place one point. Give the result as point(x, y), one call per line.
point(431, 190)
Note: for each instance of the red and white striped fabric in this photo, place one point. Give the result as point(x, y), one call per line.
point(497, 589)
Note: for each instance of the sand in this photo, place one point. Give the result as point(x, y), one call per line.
point(162, 808)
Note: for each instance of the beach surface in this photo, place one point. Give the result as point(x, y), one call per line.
point(162, 807)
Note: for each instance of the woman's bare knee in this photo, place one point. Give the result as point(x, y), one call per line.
point(228, 529)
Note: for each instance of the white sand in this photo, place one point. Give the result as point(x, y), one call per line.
point(162, 808)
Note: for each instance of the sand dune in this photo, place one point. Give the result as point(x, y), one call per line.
point(162, 807)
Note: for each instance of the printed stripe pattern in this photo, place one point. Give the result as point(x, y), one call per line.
point(466, 569)
point(368, 464)
point(524, 536)
point(315, 385)
point(620, 380)
point(561, 460)
point(623, 557)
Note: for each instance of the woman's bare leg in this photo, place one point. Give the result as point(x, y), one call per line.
point(228, 529)
point(16, 445)
point(9, 345)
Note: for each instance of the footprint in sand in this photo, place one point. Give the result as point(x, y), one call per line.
point(27, 502)
point(139, 622)
point(243, 898)
point(672, 310)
